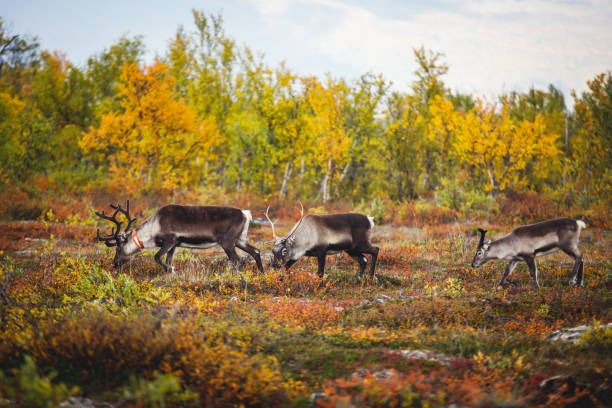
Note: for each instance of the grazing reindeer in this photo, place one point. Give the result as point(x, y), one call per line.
point(530, 241)
point(319, 235)
point(183, 226)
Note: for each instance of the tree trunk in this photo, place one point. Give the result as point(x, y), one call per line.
point(424, 182)
point(239, 181)
point(325, 182)
point(493, 182)
point(286, 177)
point(342, 177)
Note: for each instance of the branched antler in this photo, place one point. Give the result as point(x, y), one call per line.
point(113, 239)
point(125, 212)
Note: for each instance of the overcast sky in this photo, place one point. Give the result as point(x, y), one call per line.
point(490, 46)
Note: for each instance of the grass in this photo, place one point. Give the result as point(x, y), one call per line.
point(73, 326)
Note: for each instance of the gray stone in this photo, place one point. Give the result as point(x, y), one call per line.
point(79, 402)
point(314, 396)
point(573, 334)
point(426, 355)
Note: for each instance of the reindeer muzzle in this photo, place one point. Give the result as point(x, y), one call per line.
point(276, 258)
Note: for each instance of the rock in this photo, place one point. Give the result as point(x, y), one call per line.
point(79, 402)
point(363, 303)
point(260, 221)
point(426, 355)
point(381, 374)
point(234, 299)
point(381, 301)
point(339, 309)
point(573, 334)
point(25, 252)
point(553, 384)
point(314, 396)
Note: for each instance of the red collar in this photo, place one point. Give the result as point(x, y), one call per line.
point(136, 240)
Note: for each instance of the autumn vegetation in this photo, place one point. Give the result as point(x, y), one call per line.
point(210, 122)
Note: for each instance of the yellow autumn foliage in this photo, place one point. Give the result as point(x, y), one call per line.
point(505, 149)
point(155, 142)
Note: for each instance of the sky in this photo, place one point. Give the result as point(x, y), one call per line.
point(491, 47)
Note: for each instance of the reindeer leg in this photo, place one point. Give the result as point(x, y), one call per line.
point(321, 262)
point(288, 265)
point(170, 258)
point(360, 259)
point(577, 278)
point(167, 245)
point(507, 272)
point(580, 277)
point(230, 251)
point(374, 252)
point(254, 252)
point(533, 270)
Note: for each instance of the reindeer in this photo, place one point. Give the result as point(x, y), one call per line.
point(530, 241)
point(183, 226)
point(320, 235)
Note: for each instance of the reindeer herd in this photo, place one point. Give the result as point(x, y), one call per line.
point(317, 236)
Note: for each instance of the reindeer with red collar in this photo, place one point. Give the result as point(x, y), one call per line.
point(183, 226)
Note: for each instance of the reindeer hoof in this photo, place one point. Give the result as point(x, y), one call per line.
point(575, 283)
point(173, 270)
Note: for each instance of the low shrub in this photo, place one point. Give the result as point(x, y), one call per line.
point(25, 387)
point(221, 367)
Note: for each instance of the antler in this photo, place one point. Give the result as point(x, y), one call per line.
point(114, 236)
point(302, 210)
point(113, 239)
point(107, 239)
point(125, 212)
point(295, 227)
point(271, 223)
point(482, 236)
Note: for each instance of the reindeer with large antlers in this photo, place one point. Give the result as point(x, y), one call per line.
point(320, 235)
point(183, 226)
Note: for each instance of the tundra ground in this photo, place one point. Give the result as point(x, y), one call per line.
point(428, 330)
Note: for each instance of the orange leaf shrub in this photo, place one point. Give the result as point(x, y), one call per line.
point(99, 344)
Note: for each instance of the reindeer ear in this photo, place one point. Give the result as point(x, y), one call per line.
point(482, 235)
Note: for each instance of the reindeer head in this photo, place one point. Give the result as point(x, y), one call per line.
point(481, 252)
point(284, 248)
point(125, 248)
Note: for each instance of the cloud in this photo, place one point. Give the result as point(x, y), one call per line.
point(271, 7)
point(490, 46)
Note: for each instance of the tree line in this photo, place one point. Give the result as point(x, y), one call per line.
point(211, 114)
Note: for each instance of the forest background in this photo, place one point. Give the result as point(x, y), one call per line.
point(209, 122)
